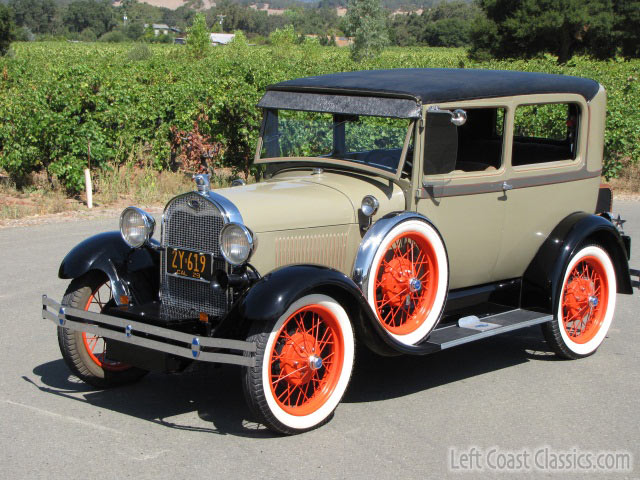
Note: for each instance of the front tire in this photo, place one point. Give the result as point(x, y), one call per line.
point(304, 361)
point(86, 354)
point(586, 305)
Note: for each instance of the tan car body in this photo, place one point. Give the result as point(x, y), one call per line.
point(305, 216)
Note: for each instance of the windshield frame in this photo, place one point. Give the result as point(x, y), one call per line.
point(351, 165)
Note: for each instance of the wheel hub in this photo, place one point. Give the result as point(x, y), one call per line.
point(298, 360)
point(397, 279)
point(579, 297)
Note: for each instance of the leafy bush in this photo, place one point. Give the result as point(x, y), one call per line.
point(283, 36)
point(114, 36)
point(139, 52)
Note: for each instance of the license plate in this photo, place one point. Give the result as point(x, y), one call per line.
point(189, 264)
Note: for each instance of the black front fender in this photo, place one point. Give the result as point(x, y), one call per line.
point(131, 271)
point(542, 280)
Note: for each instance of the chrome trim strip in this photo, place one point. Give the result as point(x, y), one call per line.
point(441, 189)
point(371, 242)
point(128, 331)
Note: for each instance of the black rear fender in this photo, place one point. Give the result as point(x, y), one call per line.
point(542, 281)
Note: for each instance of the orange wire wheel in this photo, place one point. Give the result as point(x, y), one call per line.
point(584, 299)
point(406, 282)
point(96, 345)
point(306, 360)
point(84, 353)
point(585, 306)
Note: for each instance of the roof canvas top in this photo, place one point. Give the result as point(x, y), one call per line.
point(436, 85)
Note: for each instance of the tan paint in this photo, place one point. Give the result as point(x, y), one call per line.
point(494, 236)
point(300, 217)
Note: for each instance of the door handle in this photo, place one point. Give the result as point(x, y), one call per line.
point(506, 186)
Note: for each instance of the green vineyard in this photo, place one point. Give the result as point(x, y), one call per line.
point(58, 100)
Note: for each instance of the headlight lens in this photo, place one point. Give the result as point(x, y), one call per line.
point(136, 226)
point(236, 243)
point(369, 205)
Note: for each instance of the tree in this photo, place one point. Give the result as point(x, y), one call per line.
point(37, 15)
point(99, 16)
point(627, 26)
point(526, 28)
point(7, 29)
point(198, 38)
point(366, 22)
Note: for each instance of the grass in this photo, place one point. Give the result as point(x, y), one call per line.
point(114, 186)
point(33, 199)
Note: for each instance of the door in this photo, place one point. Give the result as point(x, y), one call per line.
point(463, 173)
point(548, 175)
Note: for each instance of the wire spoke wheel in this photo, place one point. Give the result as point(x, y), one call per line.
point(303, 364)
point(585, 305)
point(96, 345)
point(408, 281)
point(306, 360)
point(86, 354)
point(584, 300)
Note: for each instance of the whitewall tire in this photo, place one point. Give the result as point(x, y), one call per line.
point(408, 281)
point(304, 361)
point(586, 305)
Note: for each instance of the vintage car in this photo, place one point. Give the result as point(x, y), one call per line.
point(409, 210)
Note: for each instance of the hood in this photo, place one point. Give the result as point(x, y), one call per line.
point(299, 200)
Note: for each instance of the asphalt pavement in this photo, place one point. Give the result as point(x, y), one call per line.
point(404, 417)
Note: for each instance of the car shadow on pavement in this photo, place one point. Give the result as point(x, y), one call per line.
point(380, 378)
point(215, 393)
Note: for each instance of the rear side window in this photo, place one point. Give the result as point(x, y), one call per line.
point(545, 133)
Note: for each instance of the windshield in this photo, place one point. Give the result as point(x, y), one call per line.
point(373, 141)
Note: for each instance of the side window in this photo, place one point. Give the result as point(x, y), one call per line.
point(475, 146)
point(480, 140)
point(545, 133)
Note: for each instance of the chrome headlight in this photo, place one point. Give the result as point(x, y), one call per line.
point(369, 205)
point(136, 226)
point(236, 243)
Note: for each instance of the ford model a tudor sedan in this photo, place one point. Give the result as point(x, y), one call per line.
point(410, 210)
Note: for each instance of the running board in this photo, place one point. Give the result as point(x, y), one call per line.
point(479, 328)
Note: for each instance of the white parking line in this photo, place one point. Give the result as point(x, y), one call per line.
point(64, 417)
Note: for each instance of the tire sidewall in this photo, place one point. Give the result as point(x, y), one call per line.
point(433, 237)
point(313, 419)
point(587, 348)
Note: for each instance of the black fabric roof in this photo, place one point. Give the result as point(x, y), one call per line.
point(436, 85)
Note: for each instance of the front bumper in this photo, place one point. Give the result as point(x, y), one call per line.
point(204, 349)
point(635, 277)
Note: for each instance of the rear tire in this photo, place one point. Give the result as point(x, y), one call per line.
point(304, 361)
point(586, 305)
point(82, 352)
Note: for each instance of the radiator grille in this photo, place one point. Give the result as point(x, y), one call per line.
point(194, 223)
